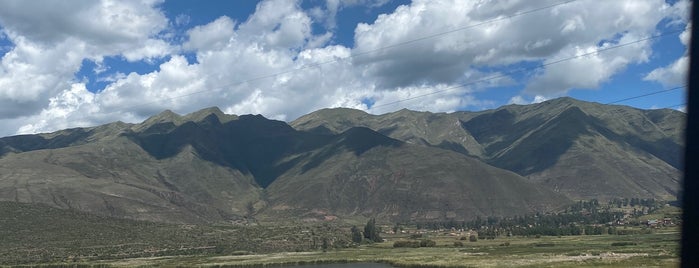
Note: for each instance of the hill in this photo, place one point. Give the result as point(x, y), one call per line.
point(581, 149)
point(210, 167)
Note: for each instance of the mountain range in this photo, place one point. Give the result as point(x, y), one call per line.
point(208, 166)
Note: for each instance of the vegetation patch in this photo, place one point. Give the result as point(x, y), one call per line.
point(623, 244)
point(541, 245)
point(51, 241)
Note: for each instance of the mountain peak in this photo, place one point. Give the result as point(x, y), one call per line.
point(339, 111)
point(315, 121)
point(206, 112)
point(169, 116)
point(164, 116)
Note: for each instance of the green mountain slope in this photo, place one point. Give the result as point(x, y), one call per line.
point(402, 182)
point(212, 167)
point(584, 150)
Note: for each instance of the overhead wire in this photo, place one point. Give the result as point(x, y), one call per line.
point(647, 94)
point(507, 74)
point(464, 28)
point(675, 106)
point(427, 37)
point(361, 53)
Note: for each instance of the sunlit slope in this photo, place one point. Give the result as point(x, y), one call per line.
point(361, 172)
point(212, 167)
point(582, 149)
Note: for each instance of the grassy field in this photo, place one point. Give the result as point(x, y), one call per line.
point(659, 249)
point(36, 234)
point(33, 235)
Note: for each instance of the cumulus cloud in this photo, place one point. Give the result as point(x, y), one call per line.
point(61, 108)
point(327, 15)
point(212, 36)
point(500, 37)
point(51, 39)
point(119, 23)
point(519, 99)
point(586, 69)
point(273, 63)
point(674, 74)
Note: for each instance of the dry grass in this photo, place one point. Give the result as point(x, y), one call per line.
point(651, 250)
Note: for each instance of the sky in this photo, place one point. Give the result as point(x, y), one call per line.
point(84, 63)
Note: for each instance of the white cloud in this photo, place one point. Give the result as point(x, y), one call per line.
point(112, 78)
point(586, 69)
point(182, 19)
point(522, 101)
point(151, 49)
point(549, 34)
point(674, 74)
point(274, 64)
point(30, 74)
point(328, 16)
point(212, 36)
point(100, 23)
point(277, 24)
point(51, 39)
point(517, 100)
point(61, 111)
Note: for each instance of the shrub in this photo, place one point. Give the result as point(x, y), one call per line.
point(357, 235)
point(427, 243)
point(473, 238)
point(462, 238)
point(544, 245)
point(623, 244)
point(406, 244)
point(416, 236)
point(458, 244)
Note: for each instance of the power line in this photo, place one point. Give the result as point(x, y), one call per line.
point(362, 53)
point(506, 74)
point(464, 28)
point(675, 106)
point(502, 75)
point(645, 95)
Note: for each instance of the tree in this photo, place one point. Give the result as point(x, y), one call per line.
point(356, 235)
point(371, 232)
point(427, 243)
point(325, 244)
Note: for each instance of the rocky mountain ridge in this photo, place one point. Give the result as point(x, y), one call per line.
point(341, 163)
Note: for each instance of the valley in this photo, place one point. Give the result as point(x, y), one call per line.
point(561, 183)
point(40, 235)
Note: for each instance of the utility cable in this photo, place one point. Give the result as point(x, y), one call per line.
point(506, 74)
point(362, 53)
point(646, 95)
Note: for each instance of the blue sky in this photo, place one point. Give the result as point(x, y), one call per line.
point(71, 64)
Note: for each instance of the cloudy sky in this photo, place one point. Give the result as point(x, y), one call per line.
point(87, 62)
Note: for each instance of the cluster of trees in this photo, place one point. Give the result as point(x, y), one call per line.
point(625, 202)
point(424, 243)
point(371, 233)
point(584, 217)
